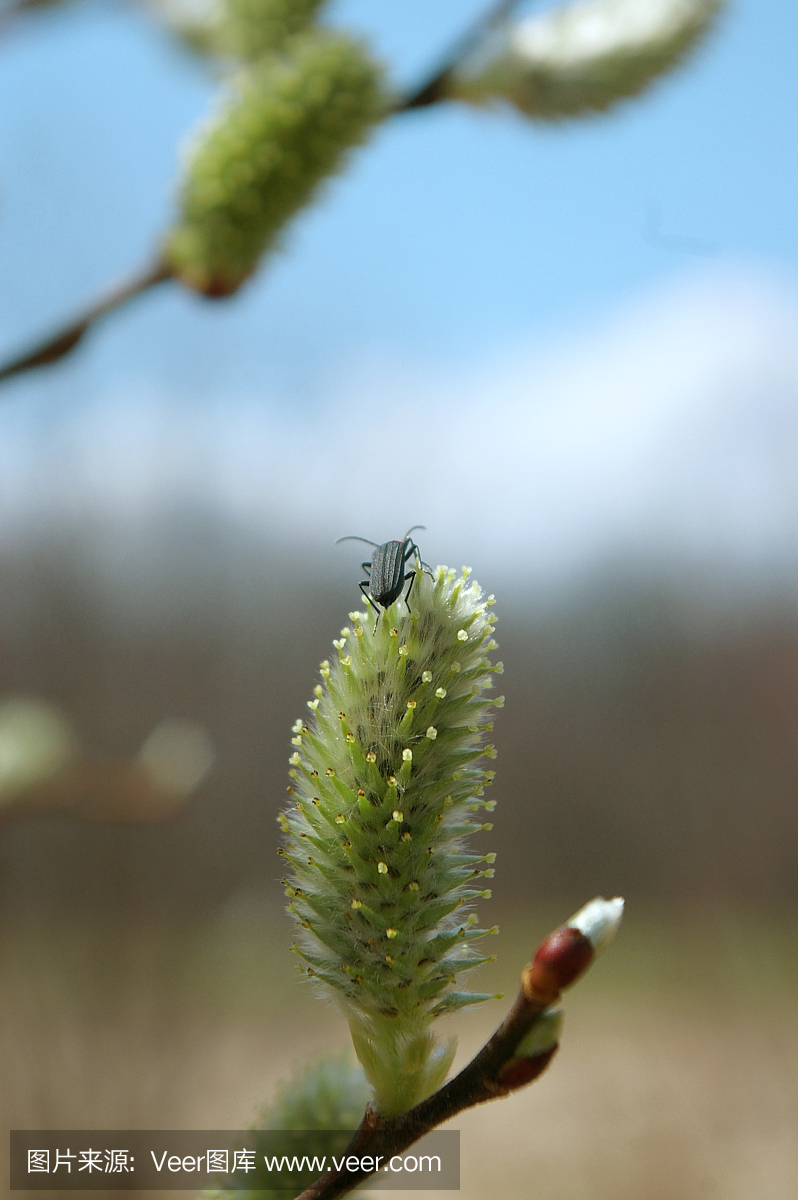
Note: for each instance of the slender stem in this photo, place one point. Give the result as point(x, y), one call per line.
point(433, 88)
point(475, 1084)
point(64, 340)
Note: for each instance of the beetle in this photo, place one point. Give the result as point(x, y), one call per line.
point(386, 572)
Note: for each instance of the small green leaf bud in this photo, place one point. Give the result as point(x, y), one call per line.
point(287, 124)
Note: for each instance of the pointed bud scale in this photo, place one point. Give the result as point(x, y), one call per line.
point(599, 920)
point(534, 1052)
point(582, 56)
point(287, 124)
point(390, 937)
point(518, 1072)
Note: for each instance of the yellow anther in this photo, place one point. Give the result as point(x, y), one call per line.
point(398, 816)
point(391, 933)
point(382, 867)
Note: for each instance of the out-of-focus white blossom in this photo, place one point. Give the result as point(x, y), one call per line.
point(581, 57)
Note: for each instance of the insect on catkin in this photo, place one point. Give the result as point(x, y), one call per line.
point(388, 777)
point(287, 124)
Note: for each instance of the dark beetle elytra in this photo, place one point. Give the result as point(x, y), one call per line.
point(386, 571)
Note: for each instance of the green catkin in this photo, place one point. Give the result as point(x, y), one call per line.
point(388, 774)
point(242, 30)
point(328, 1093)
point(288, 124)
point(252, 28)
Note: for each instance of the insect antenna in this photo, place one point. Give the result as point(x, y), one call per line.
point(352, 538)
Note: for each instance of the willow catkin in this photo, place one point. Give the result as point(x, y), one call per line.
point(389, 772)
point(288, 124)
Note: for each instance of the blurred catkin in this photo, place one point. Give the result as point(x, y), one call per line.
point(388, 778)
point(581, 57)
point(252, 28)
point(329, 1094)
point(288, 124)
point(244, 30)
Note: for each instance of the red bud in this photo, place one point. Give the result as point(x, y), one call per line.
point(566, 953)
point(517, 1072)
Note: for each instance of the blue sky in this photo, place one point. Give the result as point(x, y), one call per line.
point(461, 249)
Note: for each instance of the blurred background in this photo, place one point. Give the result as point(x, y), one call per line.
point(572, 353)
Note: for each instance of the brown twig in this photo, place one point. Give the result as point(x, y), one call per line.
point(64, 340)
point(433, 88)
point(475, 1084)
point(500, 1067)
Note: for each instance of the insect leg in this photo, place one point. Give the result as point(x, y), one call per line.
point(411, 575)
point(364, 587)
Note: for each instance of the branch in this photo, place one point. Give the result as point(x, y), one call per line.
point(474, 1085)
point(64, 340)
point(433, 88)
point(501, 1066)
